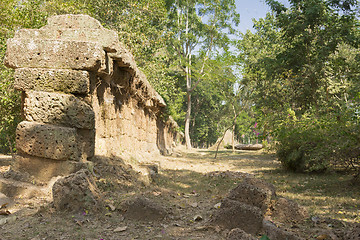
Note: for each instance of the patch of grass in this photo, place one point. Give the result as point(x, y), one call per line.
point(328, 194)
point(186, 181)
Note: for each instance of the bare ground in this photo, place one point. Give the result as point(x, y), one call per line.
point(187, 186)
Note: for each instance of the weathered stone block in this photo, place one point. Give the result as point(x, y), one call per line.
point(47, 141)
point(43, 169)
point(274, 232)
point(107, 38)
point(22, 53)
point(58, 108)
point(78, 21)
point(287, 211)
point(238, 234)
point(234, 214)
point(50, 80)
point(141, 208)
point(253, 195)
point(76, 192)
point(86, 143)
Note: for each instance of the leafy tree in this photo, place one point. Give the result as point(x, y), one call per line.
point(311, 31)
point(190, 32)
point(301, 68)
point(13, 16)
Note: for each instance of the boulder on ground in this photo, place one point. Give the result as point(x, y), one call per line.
point(273, 232)
point(235, 214)
point(287, 211)
point(143, 209)
point(76, 192)
point(248, 193)
point(237, 234)
point(261, 184)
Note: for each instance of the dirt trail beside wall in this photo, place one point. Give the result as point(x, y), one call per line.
point(178, 204)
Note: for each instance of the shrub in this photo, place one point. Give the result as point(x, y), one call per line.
point(314, 145)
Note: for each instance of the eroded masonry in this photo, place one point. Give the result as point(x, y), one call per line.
point(82, 96)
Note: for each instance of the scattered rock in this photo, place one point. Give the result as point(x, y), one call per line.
point(5, 201)
point(198, 218)
point(273, 232)
point(234, 214)
point(141, 208)
point(18, 176)
point(120, 229)
point(262, 184)
point(252, 195)
point(238, 234)
point(9, 219)
point(111, 207)
point(194, 205)
point(287, 211)
point(218, 205)
point(76, 192)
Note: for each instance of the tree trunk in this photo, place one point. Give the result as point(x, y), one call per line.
point(187, 122)
point(188, 85)
point(233, 131)
point(233, 139)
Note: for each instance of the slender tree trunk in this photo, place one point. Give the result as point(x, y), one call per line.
point(188, 85)
point(233, 139)
point(233, 132)
point(187, 122)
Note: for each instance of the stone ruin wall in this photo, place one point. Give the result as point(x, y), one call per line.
point(82, 96)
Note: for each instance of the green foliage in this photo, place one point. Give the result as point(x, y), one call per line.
point(301, 69)
point(213, 101)
point(198, 31)
point(316, 144)
point(13, 16)
point(264, 237)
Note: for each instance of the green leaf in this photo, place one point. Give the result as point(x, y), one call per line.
point(264, 237)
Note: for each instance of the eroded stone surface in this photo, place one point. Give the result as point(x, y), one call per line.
point(43, 169)
point(47, 141)
point(141, 208)
point(262, 184)
point(35, 53)
point(74, 21)
point(50, 80)
point(76, 192)
point(239, 234)
point(107, 38)
point(58, 108)
point(251, 194)
point(273, 232)
point(234, 214)
point(285, 210)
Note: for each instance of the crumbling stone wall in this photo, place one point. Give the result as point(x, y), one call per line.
point(82, 96)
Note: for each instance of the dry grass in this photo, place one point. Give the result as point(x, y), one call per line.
point(325, 195)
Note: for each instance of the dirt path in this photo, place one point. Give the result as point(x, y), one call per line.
point(188, 187)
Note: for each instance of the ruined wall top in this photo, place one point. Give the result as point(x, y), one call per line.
point(77, 42)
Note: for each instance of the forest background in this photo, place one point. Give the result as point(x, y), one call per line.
point(293, 83)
